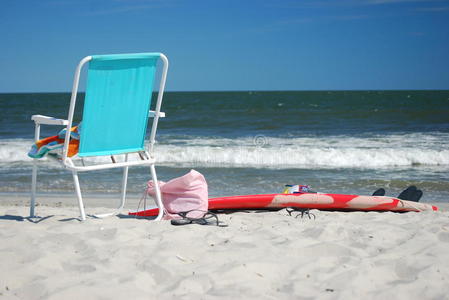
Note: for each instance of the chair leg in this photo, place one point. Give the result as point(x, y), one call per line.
point(78, 194)
point(123, 195)
point(33, 188)
point(124, 184)
point(158, 194)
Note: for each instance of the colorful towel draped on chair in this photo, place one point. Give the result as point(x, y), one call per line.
point(52, 144)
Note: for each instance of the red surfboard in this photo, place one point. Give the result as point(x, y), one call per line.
point(311, 201)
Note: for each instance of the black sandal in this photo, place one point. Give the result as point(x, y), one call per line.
point(208, 218)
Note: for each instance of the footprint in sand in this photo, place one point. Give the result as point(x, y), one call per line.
point(406, 271)
point(159, 273)
point(444, 237)
point(78, 268)
point(314, 232)
point(102, 234)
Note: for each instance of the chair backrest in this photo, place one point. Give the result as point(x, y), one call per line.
point(117, 103)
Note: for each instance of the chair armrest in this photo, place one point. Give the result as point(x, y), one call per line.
point(40, 119)
point(153, 114)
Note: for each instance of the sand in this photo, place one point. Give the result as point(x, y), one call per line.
point(268, 255)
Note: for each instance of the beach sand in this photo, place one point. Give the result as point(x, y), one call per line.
point(268, 255)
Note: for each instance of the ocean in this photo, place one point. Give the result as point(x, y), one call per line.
point(350, 142)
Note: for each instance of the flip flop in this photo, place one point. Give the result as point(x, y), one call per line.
point(207, 219)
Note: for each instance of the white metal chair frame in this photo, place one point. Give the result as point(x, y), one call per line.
point(146, 158)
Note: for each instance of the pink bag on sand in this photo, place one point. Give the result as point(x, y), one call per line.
point(185, 193)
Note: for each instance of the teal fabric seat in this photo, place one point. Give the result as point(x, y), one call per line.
point(117, 103)
point(115, 117)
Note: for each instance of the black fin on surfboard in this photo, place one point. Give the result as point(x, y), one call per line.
point(416, 196)
point(411, 193)
point(379, 192)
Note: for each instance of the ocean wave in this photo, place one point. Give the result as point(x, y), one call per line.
point(271, 152)
point(299, 157)
point(15, 150)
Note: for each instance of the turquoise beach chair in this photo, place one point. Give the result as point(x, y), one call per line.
point(114, 121)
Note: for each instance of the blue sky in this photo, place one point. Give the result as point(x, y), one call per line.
point(234, 44)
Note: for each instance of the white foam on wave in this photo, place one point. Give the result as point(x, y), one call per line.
point(304, 152)
point(292, 157)
point(15, 150)
point(324, 152)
